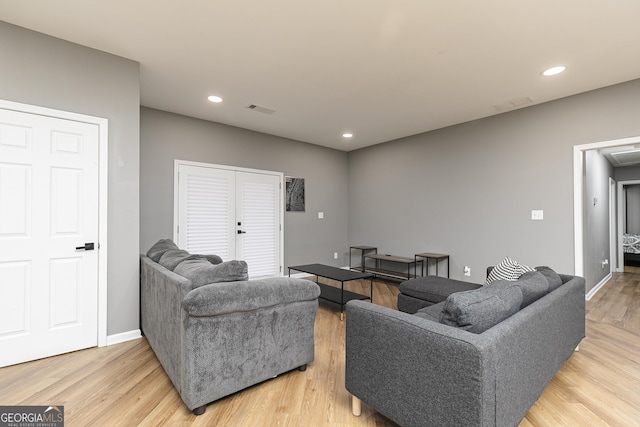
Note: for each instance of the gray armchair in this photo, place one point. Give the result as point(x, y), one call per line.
point(216, 339)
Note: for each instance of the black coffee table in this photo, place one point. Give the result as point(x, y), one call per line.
point(331, 293)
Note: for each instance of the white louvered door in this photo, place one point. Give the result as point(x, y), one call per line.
point(206, 200)
point(232, 213)
point(258, 222)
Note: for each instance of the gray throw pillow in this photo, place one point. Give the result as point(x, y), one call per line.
point(157, 250)
point(201, 272)
point(478, 310)
point(171, 258)
point(213, 259)
point(533, 285)
point(552, 277)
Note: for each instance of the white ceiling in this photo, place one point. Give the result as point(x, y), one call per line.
point(379, 69)
point(623, 155)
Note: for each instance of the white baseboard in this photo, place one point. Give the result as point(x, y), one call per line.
point(597, 287)
point(123, 337)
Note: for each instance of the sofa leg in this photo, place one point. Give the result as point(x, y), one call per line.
point(302, 368)
point(578, 347)
point(199, 410)
point(356, 406)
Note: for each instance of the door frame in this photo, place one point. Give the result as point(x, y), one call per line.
point(613, 227)
point(579, 196)
point(103, 163)
point(622, 204)
point(177, 163)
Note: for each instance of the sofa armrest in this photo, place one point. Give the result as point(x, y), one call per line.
point(229, 297)
point(416, 371)
point(161, 292)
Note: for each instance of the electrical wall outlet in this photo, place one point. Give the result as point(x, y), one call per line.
point(335, 255)
point(467, 270)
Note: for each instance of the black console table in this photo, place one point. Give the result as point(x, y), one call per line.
point(331, 293)
point(396, 259)
point(436, 257)
point(363, 250)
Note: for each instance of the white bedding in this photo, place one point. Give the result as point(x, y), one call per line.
point(631, 243)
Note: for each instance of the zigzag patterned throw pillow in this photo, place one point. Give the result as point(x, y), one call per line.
point(507, 269)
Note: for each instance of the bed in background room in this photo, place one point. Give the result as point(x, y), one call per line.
point(631, 249)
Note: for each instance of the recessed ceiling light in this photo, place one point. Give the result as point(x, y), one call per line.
point(347, 135)
point(214, 98)
point(554, 70)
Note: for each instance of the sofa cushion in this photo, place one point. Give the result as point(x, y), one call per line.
point(553, 278)
point(158, 249)
point(201, 272)
point(213, 259)
point(533, 285)
point(432, 312)
point(433, 288)
point(171, 258)
point(507, 269)
point(228, 297)
point(478, 310)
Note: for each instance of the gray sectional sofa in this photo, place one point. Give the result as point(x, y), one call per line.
point(481, 357)
point(214, 331)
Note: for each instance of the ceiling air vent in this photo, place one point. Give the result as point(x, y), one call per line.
point(261, 109)
point(628, 157)
point(513, 103)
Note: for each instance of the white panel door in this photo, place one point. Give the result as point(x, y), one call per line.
point(235, 214)
point(48, 209)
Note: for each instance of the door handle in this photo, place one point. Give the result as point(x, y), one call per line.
point(86, 247)
point(241, 232)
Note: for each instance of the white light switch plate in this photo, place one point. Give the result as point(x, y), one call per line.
point(537, 215)
point(320, 215)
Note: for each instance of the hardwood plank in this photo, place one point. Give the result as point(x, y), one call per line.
point(125, 385)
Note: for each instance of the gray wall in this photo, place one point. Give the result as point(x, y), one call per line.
point(468, 190)
point(48, 72)
point(166, 137)
point(633, 209)
point(597, 248)
point(627, 173)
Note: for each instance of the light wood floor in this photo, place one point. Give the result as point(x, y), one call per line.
point(124, 385)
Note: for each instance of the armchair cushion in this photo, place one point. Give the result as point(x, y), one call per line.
point(200, 271)
point(230, 297)
point(172, 257)
point(156, 251)
point(478, 310)
point(213, 259)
